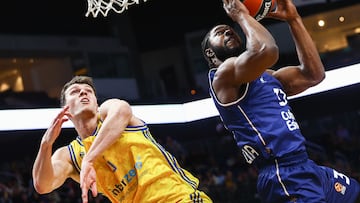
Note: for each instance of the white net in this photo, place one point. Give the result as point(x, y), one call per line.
point(104, 6)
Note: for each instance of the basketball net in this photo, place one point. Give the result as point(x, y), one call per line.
point(104, 6)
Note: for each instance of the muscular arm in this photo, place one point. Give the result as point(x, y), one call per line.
point(260, 54)
point(51, 170)
point(310, 72)
point(116, 116)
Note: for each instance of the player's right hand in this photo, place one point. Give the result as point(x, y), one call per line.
point(87, 180)
point(53, 132)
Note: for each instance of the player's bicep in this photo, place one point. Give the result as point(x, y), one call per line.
point(63, 168)
point(293, 80)
point(117, 110)
point(252, 63)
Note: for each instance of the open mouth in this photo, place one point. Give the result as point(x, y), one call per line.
point(230, 41)
point(84, 100)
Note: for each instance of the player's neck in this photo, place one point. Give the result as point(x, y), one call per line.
point(85, 126)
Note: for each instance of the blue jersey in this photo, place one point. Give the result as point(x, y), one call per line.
point(269, 136)
point(261, 120)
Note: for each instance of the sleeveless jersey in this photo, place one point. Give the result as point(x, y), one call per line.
point(261, 120)
point(138, 169)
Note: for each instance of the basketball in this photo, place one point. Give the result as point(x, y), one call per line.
point(259, 8)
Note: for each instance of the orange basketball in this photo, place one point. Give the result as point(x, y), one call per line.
point(259, 8)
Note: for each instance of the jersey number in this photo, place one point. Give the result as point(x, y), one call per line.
point(281, 96)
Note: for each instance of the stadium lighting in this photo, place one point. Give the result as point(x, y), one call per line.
point(34, 119)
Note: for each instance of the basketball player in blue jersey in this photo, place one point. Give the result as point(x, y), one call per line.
point(114, 154)
point(252, 102)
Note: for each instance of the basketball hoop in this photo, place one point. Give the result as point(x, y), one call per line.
point(104, 6)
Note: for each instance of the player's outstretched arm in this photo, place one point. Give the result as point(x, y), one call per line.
point(51, 170)
point(310, 72)
point(116, 115)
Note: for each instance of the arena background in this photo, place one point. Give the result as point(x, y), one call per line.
point(153, 50)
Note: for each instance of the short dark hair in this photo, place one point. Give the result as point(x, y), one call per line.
point(76, 80)
point(205, 44)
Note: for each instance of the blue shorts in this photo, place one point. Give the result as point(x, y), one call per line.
point(303, 181)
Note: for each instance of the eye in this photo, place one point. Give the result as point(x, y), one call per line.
point(89, 90)
point(74, 91)
point(219, 32)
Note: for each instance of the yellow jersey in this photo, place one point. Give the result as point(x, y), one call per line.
point(138, 169)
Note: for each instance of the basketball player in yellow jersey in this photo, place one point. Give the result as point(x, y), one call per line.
point(114, 153)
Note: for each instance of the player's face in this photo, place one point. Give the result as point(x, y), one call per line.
point(225, 42)
point(81, 99)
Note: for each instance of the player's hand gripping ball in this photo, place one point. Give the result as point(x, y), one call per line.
point(259, 8)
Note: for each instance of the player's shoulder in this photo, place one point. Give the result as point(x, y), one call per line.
point(114, 105)
point(62, 153)
point(226, 68)
point(114, 101)
point(270, 71)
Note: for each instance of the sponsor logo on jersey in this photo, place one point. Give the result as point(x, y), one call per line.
point(290, 120)
point(128, 178)
point(340, 188)
point(249, 154)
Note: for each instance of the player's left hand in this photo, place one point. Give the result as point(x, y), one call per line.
point(87, 180)
point(285, 10)
point(234, 8)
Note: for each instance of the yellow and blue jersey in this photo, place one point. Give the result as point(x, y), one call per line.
point(138, 169)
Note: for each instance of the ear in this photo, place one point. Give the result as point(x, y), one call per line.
point(209, 53)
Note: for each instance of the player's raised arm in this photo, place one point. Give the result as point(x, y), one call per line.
point(310, 71)
point(51, 170)
point(116, 115)
point(261, 50)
